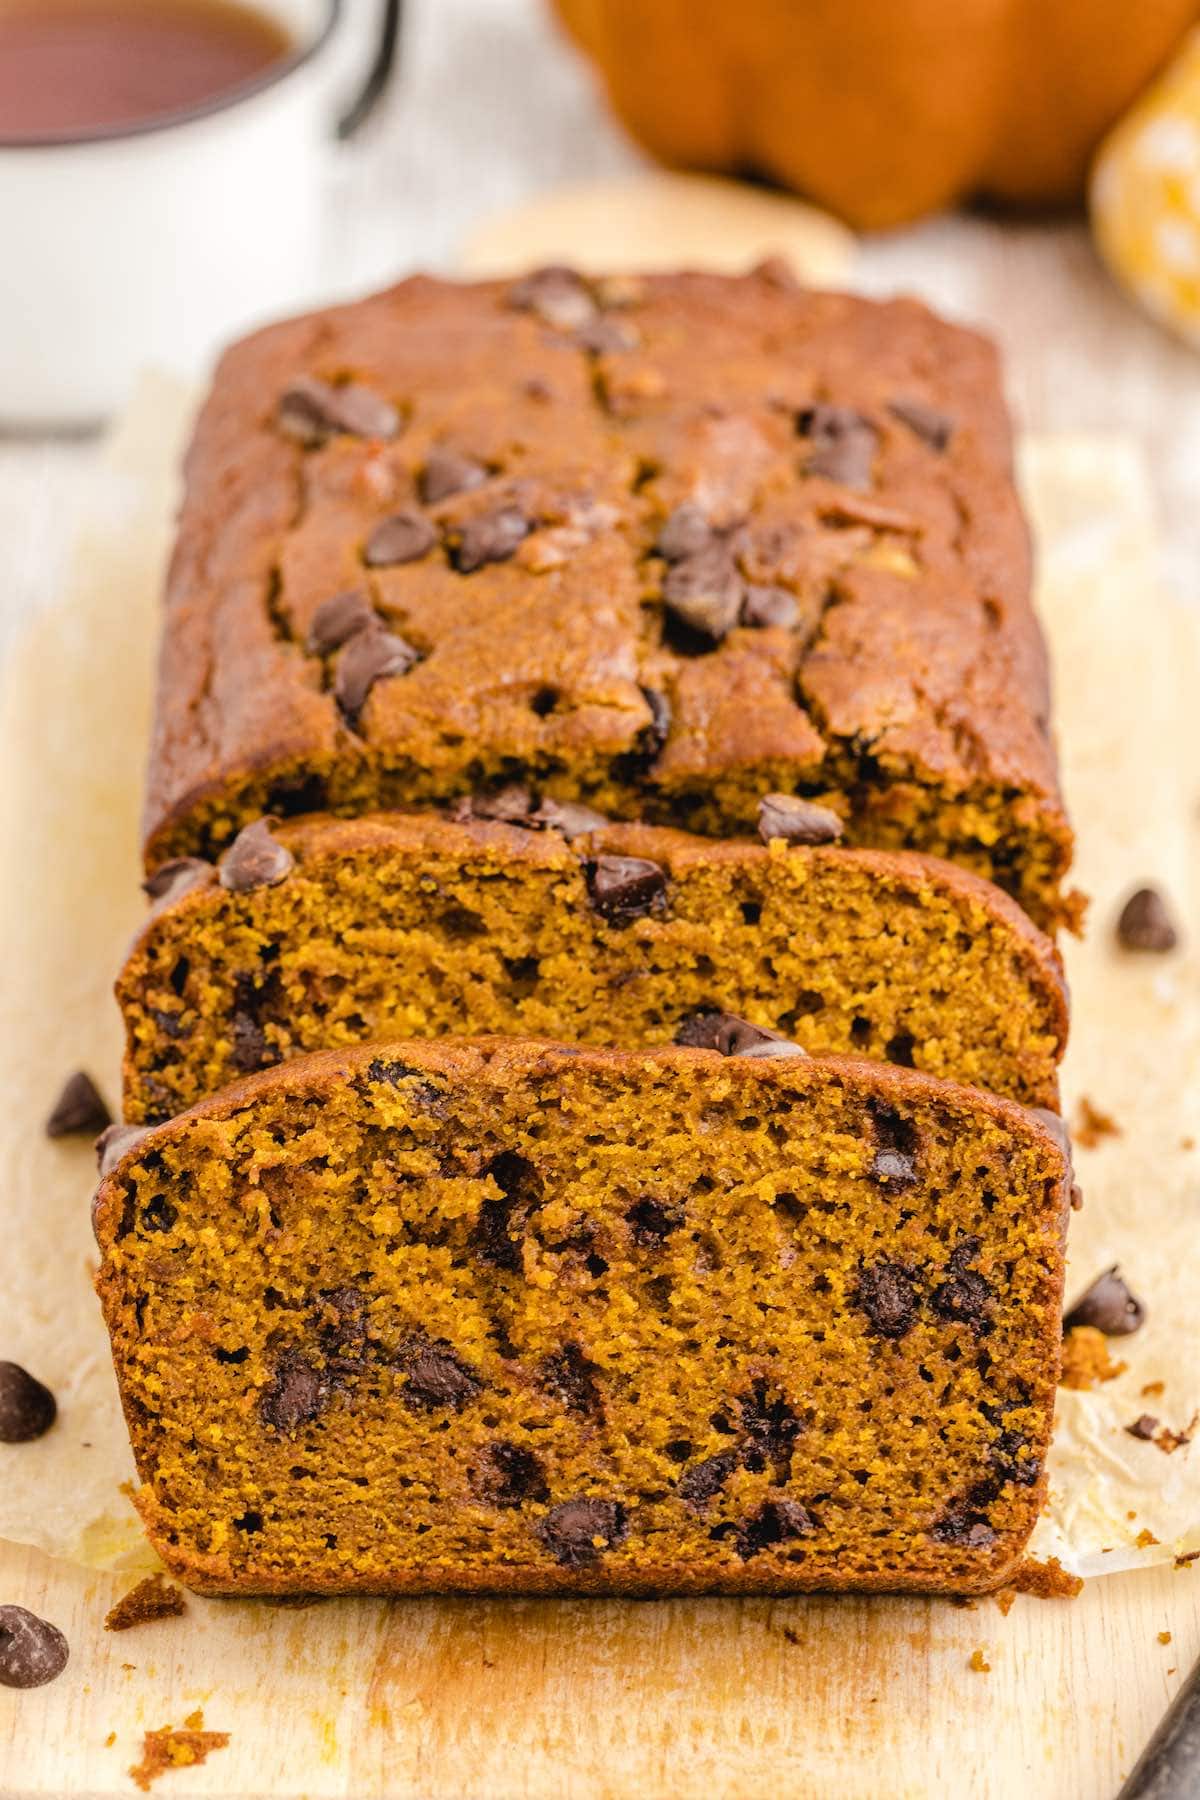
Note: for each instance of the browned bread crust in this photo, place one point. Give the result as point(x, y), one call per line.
point(511, 1317)
point(667, 545)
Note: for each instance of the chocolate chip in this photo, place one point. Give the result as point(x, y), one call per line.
point(777, 1522)
point(1005, 1457)
point(312, 411)
point(965, 1299)
point(255, 859)
point(624, 888)
point(960, 1526)
point(559, 296)
point(797, 821)
point(511, 1475)
point(446, 473)
point(607, 337)
point(32, 1651)
point(636, 763)
point(843, 444)
point(894, 1171)
point(703, 592)
point(418, 1087)
point(934, 427)
point(569, 817)
point(1144, 1426)
point(704, 1479)
point(1108, 1306)
point(337, 619)
point(763, 607)
point(404, 537)
point(341, 1328)
point(489, 538)
point(887, 1296)
point(370, 656)
point(769, 1423)
point(176, 877)
point(113, 1143)
point(251, 1050)
point(157, 1214)
point(27, 1409)
point(437, 1378)
point(685, 532)
point(510, 805)
point(571, 1378)
point(698, 1030)
point(576, 1532)
point(1145, 924)
point(502, 1221)
point(652, 1221)
point(79, 1108)
point(297, 1394)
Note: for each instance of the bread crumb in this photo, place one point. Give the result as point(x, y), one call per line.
point(1187, 1143)
point(1047, 1580)
point(1169, 1441)
point(153, 1598)
point(110, 1740)
point(1187, 1559)
point(979, 1663)
point(167, 1748)
point(1144, 1539)
point(1004, 1598)
point(1091, 1125)
point(1164, 1637)
point(1085, 1359)
point(1153, 1387)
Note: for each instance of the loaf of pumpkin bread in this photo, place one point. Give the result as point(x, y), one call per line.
point(503, 1316)
point(551, 922)
point(658, 545)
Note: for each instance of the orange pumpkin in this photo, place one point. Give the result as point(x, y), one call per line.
point(880, 110)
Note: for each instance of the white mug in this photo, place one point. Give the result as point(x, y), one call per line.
point(154, 244)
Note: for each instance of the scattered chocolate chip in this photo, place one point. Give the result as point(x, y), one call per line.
point(79, 1108)
point(1144, 1426)
point(558, 295)
point(843, 444)
point(437, 1378)
point(624, 888)
point(489, 538)
point(685, 532)
point(176, 877)
point(651, 1222)
point(934, 427)
point(404, 537)
point(27, 1409)
point(571, 1378)
point(312, 411)
point(965, 1299)
point(297, 1394)
point(1108, 1306)
point(894, 1171)
point(511, 1475)
point(1145, 924)
point(777, 1522)
point(797, 821)
point(704, 591)
point(255, 859)
point(370, 656)
point(569, 817)
point(887, 1296)
point(576, 1532)
point(763, 607)
point(113, 1143)
point(704, 1479)
point(32, 1651)
point(446, 473)
point(607, 337)
point(967, 1530)
point(337, 619)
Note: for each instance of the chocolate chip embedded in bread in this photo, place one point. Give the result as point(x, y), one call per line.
point(403, 537)
point(437, 1378)
point(764, 607)
point(894, 1170)
point(797, 821)
point(777, 1522)
point(624, 888)
point(114, 1142)
point(337, 619)
point(511, 804)
point(933, 427)
point(558, 295)
point(1144, 923)
point(79, 1108)
point(570, 1377)
point(370, 656)
point(963, 1528)
point(446, 473)
point(255, 859)
point(298, 1394)
point(887, 1296)
point(578, 1531)
point(1144, 1426)
point(652, 1221)
point(569, 817)
point(1108, 1306)
point(27, 1408)
point(312, 411)
point(176, 877)
point(32, 1651)
point(704, 592)
point(706, 1479)
point(490, 538)
point(965, 1299)
point(843, 444)
point(511, 1475)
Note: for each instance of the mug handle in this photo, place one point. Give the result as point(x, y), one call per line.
point(378, 75)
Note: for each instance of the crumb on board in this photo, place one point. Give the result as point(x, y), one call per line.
point(980, 1663)
point(167, 1748)
point(1092, 1125)
point(110, 1740)
point(1004, 1598)
point(1169, 1441)
point(1187, 1143)
point(1085, 1359)
point(1145, 1538)
point(1152, 1387)
point(1187, 1559)
point(1164, 1637)
point(152, 1598)
point(1047, 1580)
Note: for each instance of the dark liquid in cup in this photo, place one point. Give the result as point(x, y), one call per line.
point(69, 68)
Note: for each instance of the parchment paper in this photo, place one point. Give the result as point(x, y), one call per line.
point(73, 719)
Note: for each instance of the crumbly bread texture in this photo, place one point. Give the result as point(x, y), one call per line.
point(503, 1316)
point(395, 926)
point(660, 544)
